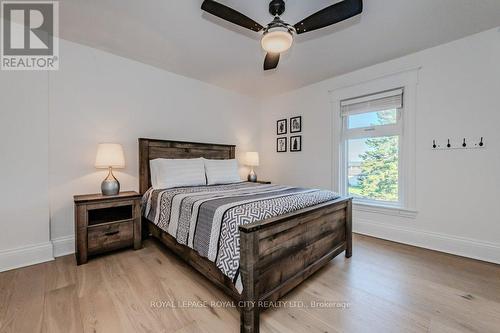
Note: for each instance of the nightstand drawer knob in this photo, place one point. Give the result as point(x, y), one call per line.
point(111, 233)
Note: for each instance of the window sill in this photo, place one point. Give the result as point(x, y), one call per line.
point(386, 210)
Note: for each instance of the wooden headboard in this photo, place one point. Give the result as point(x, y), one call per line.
point(149, 149)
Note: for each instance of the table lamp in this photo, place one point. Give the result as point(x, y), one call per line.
point(252, 159)
point(109, 156)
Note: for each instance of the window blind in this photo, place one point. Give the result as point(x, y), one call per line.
point(387, 100)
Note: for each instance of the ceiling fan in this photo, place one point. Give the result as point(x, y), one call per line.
point(278, 35)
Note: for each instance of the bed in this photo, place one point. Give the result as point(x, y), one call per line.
point(258, 257)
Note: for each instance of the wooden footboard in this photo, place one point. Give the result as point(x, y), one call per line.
point(275, 254)
point(279, 253)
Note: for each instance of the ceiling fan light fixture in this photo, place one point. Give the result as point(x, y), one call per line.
point(278, 35)
point(277, 40)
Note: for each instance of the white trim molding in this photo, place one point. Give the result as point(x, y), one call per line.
point(63, 246)
point(386, 210)
point(407, 80)
point(460, 246)
point(25, 256)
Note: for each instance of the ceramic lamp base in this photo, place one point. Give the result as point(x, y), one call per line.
point(252, 176)
point(110, 185)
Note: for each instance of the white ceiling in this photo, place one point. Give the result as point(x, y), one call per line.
point(177, 36)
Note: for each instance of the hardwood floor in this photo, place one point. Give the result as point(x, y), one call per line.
point(384, 287)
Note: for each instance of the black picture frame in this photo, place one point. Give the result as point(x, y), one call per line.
point(284, 140)
point(281, 127)
point(296, 143)
point(293, 127)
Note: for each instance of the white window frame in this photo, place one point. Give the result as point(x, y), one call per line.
point(372, 132)
point(408, 81)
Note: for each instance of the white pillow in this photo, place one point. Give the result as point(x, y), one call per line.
point(169, 173)
point(222, 172)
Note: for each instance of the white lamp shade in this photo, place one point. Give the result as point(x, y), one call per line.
point(109, 155)
point(277, 41)
point(252, 158)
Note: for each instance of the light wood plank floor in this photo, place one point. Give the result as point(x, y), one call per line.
point(387, 287)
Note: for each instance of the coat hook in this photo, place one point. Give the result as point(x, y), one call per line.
point(448, 145)
point(481, 143)
point(434, 144)
point(464, 144)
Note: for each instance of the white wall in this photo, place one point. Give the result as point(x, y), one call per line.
point(50, 124)
point(57, 119)
point(24, 203)
point(457, 192)
point(98, 97)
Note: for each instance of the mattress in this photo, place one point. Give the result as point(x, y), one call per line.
point(206, 218)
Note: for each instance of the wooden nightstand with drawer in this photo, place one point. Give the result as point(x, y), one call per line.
point(106, 223)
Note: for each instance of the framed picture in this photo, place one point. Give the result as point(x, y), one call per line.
point(296, 124)
point(296, 143)
point(281, 145)
point(281, 127)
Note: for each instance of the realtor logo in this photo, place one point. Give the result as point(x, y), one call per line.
point(29, 35)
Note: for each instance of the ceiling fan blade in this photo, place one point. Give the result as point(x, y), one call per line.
point(271, 61)
point(230, 15)
point(330, 15)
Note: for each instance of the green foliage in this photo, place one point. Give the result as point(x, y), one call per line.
point(386, 117)
point(379, 165)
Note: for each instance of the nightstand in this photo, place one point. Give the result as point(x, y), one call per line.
point(106, 223)
point(263, 182)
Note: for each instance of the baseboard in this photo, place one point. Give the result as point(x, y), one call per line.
point(464, 247)
point(486, 251)
point(63, 246)
point(25, 256)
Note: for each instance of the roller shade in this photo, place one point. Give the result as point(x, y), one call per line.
point(387, 100)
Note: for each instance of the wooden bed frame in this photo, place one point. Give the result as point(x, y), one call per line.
point(276, 254)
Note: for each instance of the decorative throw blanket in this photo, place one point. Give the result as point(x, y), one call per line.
point(206, 218)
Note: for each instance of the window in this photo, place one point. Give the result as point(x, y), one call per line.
point(371, 142)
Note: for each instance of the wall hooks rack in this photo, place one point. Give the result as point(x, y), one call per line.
point(465, 143)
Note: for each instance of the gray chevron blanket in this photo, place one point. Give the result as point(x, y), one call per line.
point(206, 218)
